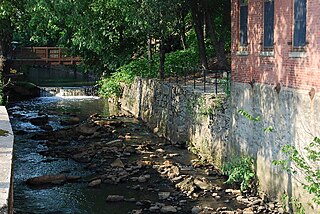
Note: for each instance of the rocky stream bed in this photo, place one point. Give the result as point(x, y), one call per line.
point(133, 171)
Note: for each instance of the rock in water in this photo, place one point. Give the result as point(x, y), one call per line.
point(86, 130)
point(142, 179)
point(47, 180)
point(70, 121)
point(39, 121)
point(202, 184)
point(196, 210)
point(163, 195)
point(115, 198)
point(95, 183)
point(168, 209)
point(117, 163)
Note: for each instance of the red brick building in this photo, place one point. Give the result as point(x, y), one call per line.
point(290, 56)
point(276, 76)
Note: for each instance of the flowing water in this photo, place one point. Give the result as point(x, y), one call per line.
point(78, 197)
point(68, 91)
point(70, 198)
point(28, 161)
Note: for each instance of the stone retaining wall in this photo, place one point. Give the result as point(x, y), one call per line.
point(181, 115)
point(6, 167)
point(295, 119)
point(203, 121)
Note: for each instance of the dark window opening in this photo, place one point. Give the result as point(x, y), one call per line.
point(243, 33)
point(300, 13)
point(268, 39)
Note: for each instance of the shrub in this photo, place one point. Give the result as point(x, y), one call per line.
point(240, 171)
point(111, 85)
point(183, 58)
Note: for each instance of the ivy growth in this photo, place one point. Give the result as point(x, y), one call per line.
point(249, 116)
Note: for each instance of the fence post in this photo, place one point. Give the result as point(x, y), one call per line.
point(216, 82)
point(194, 78)
point(228, 81)
point(177, 74)
point(46, 54)
point(185, 75)
point(204, 79)
point(59, 55)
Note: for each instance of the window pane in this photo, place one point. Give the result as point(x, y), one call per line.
point(300, 11)
point(268, 23)
point(243, 25)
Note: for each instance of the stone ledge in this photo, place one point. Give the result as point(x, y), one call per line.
point(6, 150)
point(297, 54)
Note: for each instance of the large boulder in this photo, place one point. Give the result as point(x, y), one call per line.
point(51, 180)
point(47, 180)
point(40, 120)
point(86, 130)
point(21, 91)
point(70, 121)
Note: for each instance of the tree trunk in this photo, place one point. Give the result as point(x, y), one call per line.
point(5, 36)
point(197, 17)
point(183, 29)
point(149, 48)
point(162, 57)
point(218, 43)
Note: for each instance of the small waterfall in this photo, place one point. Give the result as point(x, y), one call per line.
point(68, 91)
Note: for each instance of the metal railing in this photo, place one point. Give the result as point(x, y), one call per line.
point(204, 79)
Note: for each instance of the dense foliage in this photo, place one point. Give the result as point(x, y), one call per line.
point(112, 84)
point(114, 35)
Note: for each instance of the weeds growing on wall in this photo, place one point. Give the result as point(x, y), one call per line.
point(225, 82)
point(240, 171)
point(307, 165)
point(249, 116)
point(285, 199)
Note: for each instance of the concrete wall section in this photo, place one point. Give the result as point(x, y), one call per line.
point(6, 175)
point(180, 115)
point(294, 117)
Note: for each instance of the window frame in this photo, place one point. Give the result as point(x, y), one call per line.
point(243, 45)
point(271, 47)
point(299, 47)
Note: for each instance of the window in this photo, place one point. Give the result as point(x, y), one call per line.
point(268, 23)
point(243, 33)
point(299, 34)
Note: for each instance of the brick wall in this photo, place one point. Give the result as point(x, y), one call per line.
point(301, 72)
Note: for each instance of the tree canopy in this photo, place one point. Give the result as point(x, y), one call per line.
point(110, 33)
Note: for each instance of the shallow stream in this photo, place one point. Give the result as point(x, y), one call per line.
point(69, 198)
point(76, 197)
